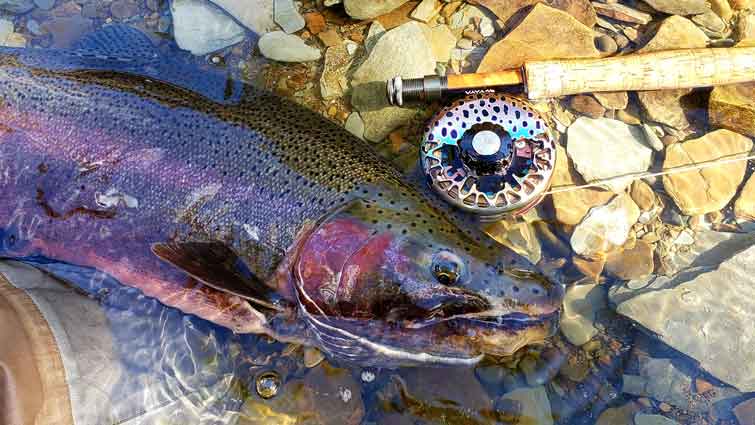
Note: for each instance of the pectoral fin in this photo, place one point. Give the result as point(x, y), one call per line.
point(217, 266)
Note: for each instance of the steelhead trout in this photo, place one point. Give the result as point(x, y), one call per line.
point(246, 210)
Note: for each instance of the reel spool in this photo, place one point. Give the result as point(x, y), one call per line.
point(489, 154)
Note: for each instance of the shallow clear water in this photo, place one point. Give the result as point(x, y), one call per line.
point(659, 325)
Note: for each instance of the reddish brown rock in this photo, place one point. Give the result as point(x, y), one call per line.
point(315, 22)
point(632, 263)
point(745, 412)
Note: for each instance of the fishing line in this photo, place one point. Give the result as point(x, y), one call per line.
point(726, 159)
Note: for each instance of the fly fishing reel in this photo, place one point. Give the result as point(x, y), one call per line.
point(489, 154)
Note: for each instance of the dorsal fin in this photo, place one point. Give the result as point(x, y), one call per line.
point(120, 48)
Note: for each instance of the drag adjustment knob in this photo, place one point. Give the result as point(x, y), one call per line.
point(486, 149)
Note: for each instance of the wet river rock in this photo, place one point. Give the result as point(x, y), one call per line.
point(710, 189)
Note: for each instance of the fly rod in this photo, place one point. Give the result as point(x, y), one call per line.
point(673, 69)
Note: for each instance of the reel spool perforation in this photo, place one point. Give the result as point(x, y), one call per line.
point(489, 154)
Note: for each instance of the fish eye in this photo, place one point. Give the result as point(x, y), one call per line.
point(447, 268)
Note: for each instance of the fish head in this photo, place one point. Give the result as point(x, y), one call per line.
point(407, 282)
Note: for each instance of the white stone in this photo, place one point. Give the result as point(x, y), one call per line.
point(605, 227)
point(368, 9)
point(287, 16)
point(279, 46)
point(604, 148)
point(486, 28)
point(256, 15)
point(651, 136)
point(201, 28)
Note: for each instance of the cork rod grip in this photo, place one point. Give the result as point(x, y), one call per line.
point(650, 71)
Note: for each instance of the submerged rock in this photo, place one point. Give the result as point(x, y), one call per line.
point(533, 39)
point(16, 6)
point(581, 304)
point(701, 191)
point(645, 419)
point(534, 404)
point(605, 227)
point(279, 46)
point(733, 107)
point(201, 28)
point(706, 312)
point(403, 51)
point(368, 9)
point(256, 15)
point(596, 145)
point(630, 264)
point(661, 380)
point(571, 206)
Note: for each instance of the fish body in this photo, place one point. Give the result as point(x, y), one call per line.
point(252, 213)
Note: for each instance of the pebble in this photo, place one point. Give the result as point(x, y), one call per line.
point(45, 4)
point(587, 105)
point(581, 304)
point(606, 44)
point(745, 412)
point(679, 7)
point(315, 22)
point(631, 264)
point(733, 107)
point(613, 100)
point(368, 9)
point(702, 386)
point(124, 9)
point(257, 15)
point(282, 47)
point(710, 189)
point(426, 10)
point(286, 14)
point(486, 28)
point(465, 43)
point(645, 419)
point(201, 28)
point(534, 404)
point(622, 13)
point(626, 142)
point(16, 6)
point(642, 195)
point(605, 227)
point(330, 38)
point(651, 136)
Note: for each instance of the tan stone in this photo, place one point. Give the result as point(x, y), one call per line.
point(665, 107)
point(623, 415)
point(622, 13)
point(642, 195)
point(745, 27)
point(632, 263)
point(590, 267)
point(587, 105)
point(571, 207)
point(744, 207)
point(505, 9)
point(742, 4)
point(710, 189)
point(613, 100)
point(722, 8)
point(426, 10)
point(533, 39)
point(442, 41)
point(733, 107)
point(676, 32)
